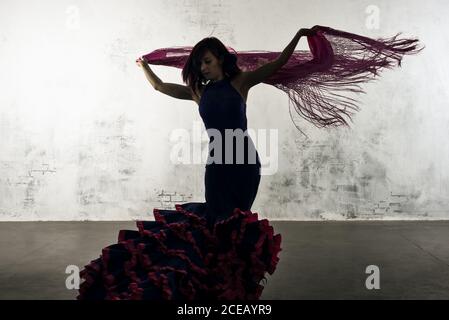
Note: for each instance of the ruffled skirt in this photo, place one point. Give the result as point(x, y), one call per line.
point(180, 257)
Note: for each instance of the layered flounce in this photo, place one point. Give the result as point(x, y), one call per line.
point(180, 257)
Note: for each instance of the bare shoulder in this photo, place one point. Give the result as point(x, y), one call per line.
point(196, 95)
point(239, 83)
point(239, 79)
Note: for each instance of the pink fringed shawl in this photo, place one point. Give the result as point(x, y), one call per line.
point(316, 81)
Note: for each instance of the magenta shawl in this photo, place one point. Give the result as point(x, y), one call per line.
point(316, 81)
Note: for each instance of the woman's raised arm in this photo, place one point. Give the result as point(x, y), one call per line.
point(171, 89)
point(251, 78)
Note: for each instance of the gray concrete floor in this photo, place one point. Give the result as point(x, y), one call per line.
point(319, 260)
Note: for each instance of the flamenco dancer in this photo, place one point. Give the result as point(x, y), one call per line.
point(219, 249)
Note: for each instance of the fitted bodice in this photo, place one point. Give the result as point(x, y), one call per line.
point(222, 107)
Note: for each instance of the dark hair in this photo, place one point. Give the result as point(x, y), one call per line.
point(191, 72)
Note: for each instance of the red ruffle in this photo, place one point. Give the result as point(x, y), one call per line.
point(232, 260)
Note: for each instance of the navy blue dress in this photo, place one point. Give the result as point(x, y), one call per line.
point(228, 184)
point(213, 250)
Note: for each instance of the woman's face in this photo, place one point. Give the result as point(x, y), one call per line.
point(211, 67)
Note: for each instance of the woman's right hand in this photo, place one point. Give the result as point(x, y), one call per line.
point(141, 62)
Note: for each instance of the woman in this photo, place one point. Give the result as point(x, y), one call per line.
point(220, 88)
point(223, 250)
point(219, 249)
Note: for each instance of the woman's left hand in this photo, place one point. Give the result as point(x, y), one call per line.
point(306, 32)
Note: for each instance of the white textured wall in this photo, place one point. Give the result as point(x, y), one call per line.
point(83, 136)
